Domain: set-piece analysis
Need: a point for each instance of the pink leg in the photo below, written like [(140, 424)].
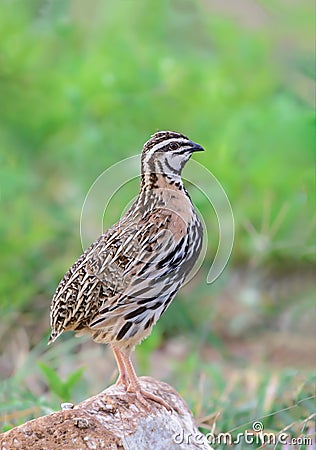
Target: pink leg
[(123, 377), (134, 385)]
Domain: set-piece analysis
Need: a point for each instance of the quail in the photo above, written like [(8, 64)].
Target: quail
[(121, 285)]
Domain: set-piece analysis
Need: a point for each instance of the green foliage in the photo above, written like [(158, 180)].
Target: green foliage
[(63, 389), (83, 85), (232, 403), (77, 98), (147, 349)]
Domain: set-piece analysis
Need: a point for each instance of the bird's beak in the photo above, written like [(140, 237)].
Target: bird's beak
[(196, 147)]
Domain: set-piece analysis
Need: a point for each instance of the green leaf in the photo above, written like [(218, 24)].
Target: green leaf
[(74, 378), (54, 382)]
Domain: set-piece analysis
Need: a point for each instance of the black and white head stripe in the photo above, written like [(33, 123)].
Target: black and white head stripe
[(164, 138), (167, 152)]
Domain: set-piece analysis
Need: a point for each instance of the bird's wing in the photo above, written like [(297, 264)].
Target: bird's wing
[(145, 262), (117, 268), (97, 275)]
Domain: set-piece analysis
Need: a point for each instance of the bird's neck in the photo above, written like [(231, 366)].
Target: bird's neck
[(154, 180), (159, 174)]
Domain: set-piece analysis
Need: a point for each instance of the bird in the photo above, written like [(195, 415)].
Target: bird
[(121, 285)]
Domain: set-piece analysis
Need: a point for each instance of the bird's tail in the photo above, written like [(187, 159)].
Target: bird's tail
[(54, 335)]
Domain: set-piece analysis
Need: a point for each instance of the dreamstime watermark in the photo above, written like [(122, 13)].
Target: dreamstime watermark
[(255, 436), (102, 192)]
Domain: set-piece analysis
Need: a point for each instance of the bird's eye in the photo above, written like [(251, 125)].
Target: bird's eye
[(174, 145)]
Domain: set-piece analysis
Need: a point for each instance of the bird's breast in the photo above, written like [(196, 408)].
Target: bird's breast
[(173, 210)]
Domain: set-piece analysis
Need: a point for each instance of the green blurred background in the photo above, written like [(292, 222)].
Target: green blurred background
[(83, 85)]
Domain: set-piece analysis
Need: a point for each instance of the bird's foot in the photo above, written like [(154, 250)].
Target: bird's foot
[(143, 397)]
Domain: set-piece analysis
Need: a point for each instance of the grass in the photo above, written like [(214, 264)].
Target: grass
[(82, 88)]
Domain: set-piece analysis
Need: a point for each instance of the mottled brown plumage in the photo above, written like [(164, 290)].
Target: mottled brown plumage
[(125, 280)]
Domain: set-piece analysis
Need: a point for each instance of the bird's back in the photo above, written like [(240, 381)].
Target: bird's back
[(132, 272)]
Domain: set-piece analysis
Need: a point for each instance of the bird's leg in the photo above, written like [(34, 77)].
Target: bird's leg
[(135, 387), (123, 377)]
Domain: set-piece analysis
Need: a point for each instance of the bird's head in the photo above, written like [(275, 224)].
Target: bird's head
[(166, 153)]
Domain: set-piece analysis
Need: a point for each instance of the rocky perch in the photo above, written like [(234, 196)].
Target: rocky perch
[(113, 420)]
